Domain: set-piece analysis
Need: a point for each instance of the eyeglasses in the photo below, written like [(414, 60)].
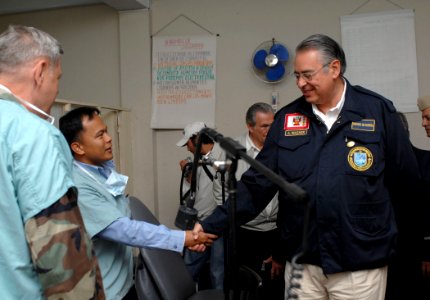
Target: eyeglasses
[(309, 76)]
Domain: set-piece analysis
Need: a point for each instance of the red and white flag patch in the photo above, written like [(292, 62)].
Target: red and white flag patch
[(296, 124)]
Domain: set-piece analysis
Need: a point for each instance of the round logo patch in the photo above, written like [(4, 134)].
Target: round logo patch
[(360, 158)]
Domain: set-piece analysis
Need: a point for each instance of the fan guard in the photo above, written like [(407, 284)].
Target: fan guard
[(269, 61)]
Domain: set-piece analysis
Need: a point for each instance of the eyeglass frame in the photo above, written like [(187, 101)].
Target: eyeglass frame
[(309, 76)]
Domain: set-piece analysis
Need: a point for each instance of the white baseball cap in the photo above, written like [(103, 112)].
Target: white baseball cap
[(190, 130), (423, 102)]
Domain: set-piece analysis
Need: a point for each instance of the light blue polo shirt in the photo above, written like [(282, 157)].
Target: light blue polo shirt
[(35, 171), (99, 209)]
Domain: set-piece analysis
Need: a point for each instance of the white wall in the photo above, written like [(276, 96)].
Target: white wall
[(107, 61)]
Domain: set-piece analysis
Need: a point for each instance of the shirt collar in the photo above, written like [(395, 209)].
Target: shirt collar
[(103, 170), (5, 88), (334, 110), (250, 146)]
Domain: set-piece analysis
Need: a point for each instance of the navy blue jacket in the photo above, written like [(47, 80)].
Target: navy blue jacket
[(347, 173)]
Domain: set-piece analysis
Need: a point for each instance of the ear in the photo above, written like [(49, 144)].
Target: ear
[(335, 66), (250, 128), (40, 69), (77, 149)]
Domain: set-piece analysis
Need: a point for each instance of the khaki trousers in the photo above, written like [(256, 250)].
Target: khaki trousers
[(357, 285)]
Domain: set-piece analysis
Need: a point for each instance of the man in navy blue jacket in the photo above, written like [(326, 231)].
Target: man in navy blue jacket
[(339, 143)]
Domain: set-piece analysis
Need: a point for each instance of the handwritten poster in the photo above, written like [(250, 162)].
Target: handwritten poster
[(183, 80)]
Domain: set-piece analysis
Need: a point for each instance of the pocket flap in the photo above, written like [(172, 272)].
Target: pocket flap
[(293, 142)]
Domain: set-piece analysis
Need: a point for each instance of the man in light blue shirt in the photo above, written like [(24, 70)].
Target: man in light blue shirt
[(105, 207), (44, 249)]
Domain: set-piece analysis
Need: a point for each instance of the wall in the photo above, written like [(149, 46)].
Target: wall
[(89, 37), (107, 61)]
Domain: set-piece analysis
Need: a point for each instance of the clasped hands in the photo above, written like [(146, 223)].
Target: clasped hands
[(197, 240)]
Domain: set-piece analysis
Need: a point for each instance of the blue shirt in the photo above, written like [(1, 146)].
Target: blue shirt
[(35, 168), (107, 220)]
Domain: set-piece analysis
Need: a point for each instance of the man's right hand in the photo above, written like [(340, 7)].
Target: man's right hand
[(182, 163), (198, 242), (198, 229)]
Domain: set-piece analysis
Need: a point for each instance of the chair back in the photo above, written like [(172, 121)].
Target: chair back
[(167, 268), (162, 274)]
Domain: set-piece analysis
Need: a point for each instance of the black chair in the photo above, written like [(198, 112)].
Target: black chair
[(162, 274)]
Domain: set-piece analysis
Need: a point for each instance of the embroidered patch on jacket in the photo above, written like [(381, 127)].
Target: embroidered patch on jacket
[(360, 158), (364, 125), (296, 124)]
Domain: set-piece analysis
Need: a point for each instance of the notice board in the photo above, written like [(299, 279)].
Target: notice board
[(381, 56), (183, 80)]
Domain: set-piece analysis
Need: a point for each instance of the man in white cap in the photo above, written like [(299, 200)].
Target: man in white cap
[(208, 197), (424, 106)]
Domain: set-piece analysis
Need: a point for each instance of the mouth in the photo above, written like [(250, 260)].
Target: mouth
[(306, 90), (307, 93)]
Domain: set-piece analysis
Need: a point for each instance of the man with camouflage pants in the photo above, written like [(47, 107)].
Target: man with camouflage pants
[(44, 250)]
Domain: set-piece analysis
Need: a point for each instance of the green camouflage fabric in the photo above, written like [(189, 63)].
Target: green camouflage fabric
[(62, 252)]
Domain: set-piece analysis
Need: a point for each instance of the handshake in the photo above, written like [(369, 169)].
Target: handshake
[(197, 240)]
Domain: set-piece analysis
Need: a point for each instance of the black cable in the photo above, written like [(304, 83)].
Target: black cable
[(297, 269), (296, 275)]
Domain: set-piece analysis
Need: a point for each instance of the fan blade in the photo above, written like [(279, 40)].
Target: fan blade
[(280, 51), (259, 58), (275, 73)]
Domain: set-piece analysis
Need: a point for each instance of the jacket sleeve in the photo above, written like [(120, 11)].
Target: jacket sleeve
[(254, 192), (401, 162)]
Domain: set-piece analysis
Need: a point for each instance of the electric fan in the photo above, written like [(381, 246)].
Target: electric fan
[(269, 61)]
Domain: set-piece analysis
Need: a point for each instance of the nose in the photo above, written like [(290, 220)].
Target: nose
[(300, 82), (108, 138)]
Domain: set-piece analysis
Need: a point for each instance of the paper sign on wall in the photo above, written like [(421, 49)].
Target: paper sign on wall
[(381, 55), (183, 80)]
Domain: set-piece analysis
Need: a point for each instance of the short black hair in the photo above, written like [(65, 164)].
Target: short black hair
[(71, 123), (204, 137)]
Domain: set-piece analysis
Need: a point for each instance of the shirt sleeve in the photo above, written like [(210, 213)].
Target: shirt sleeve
[(141, 234)]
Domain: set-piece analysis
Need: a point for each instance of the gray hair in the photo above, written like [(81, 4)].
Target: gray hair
[(257, 107), (329, 49), (21, 44)]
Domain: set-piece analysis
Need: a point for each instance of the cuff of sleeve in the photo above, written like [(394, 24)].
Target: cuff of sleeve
[(177, 240)]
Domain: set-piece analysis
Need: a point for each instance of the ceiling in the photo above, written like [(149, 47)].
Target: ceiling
[(23, 6)]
